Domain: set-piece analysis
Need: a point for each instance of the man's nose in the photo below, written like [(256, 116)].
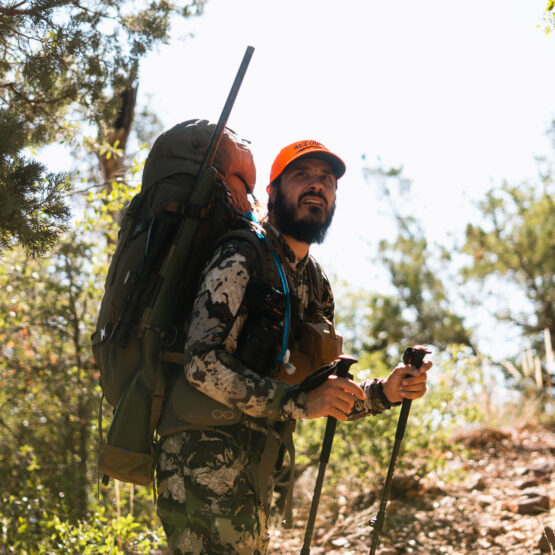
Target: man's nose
[(316, 182)]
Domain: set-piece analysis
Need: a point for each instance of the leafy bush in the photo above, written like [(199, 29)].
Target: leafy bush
[(99, 534)]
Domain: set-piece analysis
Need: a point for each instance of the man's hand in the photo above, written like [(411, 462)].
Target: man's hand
[(406, 382), (335, 397)]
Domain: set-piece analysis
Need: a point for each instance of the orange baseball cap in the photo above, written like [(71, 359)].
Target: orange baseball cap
[(305, 149)]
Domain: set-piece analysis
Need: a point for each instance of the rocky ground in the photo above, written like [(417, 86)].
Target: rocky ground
[(496, 500)]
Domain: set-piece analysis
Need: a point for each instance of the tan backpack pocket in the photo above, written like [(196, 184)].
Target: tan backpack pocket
[(318, 345), (320, 342)]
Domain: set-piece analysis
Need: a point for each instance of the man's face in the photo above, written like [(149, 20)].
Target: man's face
[(304, 203)]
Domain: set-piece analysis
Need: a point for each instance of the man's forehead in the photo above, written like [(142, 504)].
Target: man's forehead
[(310, 163)]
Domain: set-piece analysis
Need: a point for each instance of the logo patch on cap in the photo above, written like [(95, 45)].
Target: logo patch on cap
[(303, 145)]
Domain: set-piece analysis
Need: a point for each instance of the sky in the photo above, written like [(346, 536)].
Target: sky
[(460, 94)]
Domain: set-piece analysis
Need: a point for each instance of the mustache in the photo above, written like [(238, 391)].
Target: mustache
[(314, 194)]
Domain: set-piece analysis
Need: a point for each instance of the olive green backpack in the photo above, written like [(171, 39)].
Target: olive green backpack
[(148, 228)]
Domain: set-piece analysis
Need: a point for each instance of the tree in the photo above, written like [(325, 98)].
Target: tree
[(549, 16), (420, 311), (48, 382), (63, 63), (32, 204), (515, 246)]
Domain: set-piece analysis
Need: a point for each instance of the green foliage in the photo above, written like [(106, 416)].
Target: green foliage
[(99, 534), (49, 393), (63, 64), (549, 17), (515, 245), (49, 387), (33, 211), (63, 54)]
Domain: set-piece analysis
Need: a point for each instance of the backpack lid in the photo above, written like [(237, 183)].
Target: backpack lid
[(181, 149)]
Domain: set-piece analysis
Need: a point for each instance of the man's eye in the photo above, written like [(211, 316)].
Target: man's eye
[(328, 181)]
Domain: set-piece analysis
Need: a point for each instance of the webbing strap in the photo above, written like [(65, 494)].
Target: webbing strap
[(287, 440), (156, 407), (101, 446), (278, 435), (173, 357)]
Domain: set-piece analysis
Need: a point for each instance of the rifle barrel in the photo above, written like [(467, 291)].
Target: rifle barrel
[(228, 106)]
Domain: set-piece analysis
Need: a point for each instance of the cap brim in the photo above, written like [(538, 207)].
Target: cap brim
[(334, 161)]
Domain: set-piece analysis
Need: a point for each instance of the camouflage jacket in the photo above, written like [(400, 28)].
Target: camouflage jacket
[(215, 324)]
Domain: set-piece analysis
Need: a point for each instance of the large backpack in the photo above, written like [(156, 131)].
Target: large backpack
[(148, 228)]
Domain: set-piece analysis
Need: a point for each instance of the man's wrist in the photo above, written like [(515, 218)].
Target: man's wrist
[(294, 402), (383, 397)]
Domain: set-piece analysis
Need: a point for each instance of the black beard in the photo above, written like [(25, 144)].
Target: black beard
[(306, 231)]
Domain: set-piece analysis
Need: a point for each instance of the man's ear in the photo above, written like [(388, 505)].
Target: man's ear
[(272, 191)]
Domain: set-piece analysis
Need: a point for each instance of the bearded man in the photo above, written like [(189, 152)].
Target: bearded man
[(262, 324)]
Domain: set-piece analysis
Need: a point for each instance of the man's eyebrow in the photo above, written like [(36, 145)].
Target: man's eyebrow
[(300, 165)]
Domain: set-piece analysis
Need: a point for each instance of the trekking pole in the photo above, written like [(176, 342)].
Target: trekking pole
[(415, 356), (342, 371)]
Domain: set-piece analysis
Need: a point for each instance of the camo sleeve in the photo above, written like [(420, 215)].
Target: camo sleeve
[(327, 299), (215, 324), (374, 403)]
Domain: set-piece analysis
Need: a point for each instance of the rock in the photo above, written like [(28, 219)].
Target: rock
[(485, 500), (404, 487), (364, 499), (525, 484), (479, 485), (547, 541), (521, 471), (533, 504), (495, 530), (434, 491), (542, 469)]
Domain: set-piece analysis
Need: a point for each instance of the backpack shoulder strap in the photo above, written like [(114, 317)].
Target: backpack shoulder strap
[(315, 281), (270, 270), (266, 269)]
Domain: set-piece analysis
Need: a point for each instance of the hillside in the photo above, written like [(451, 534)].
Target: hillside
[(496, 499)]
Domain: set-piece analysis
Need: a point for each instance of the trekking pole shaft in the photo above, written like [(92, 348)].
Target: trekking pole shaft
[(401, 425), (324, 459), (414, 356), (342, 371)]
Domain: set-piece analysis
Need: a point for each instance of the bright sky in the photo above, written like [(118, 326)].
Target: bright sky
[(460, 93)]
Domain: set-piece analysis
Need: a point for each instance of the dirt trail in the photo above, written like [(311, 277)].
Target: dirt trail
[(504, 503)]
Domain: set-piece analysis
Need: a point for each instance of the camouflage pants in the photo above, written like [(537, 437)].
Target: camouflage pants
[(209, 498)]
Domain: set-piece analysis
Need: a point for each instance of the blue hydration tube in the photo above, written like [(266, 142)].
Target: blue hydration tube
[(283, 355)]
